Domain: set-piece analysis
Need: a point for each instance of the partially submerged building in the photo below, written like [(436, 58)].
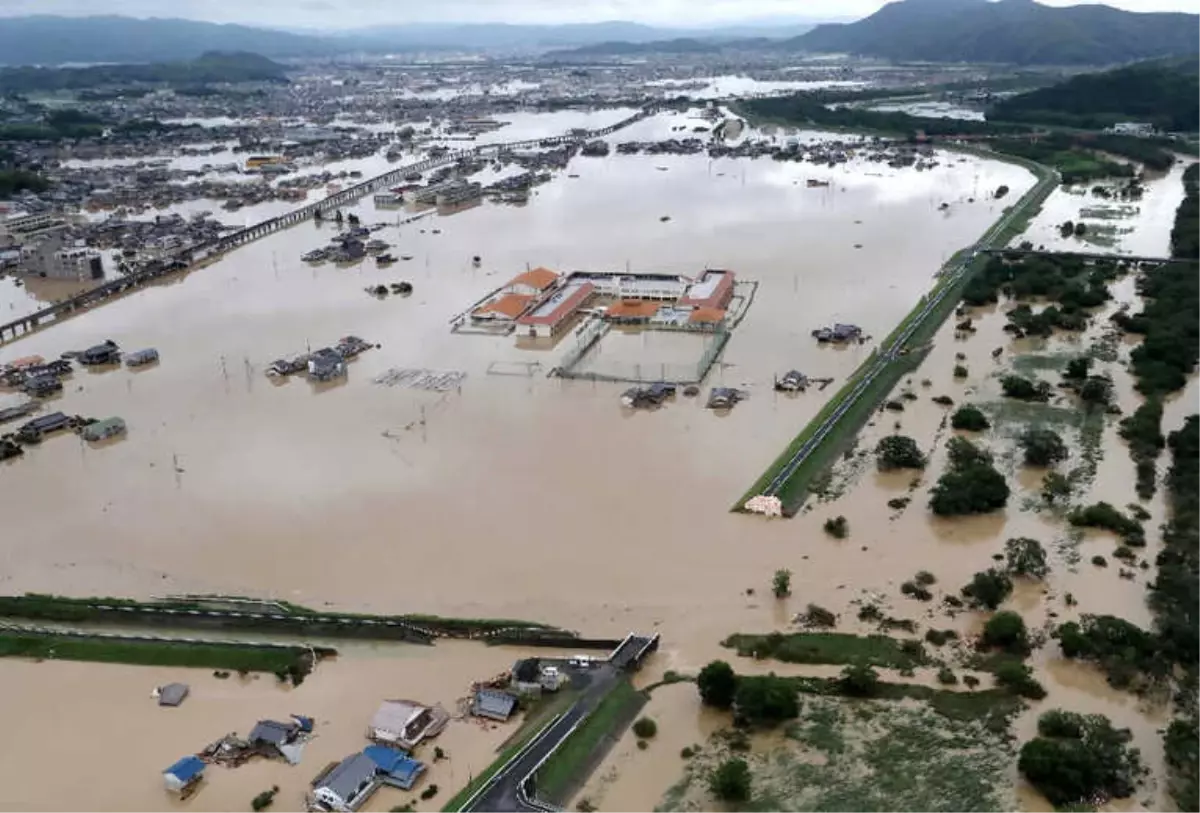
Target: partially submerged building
[(493, 704), (553, 313), (172, 694), (273, 738), (349, 784), (102, 430), (406, 723), (713, 289), (184, 774)]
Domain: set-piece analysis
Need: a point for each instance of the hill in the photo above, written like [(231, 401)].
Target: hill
[(1164, 93), (47, 40), (211, 67), (1019, 32)]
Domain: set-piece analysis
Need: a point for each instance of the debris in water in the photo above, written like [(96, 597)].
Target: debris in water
[(421, 379)]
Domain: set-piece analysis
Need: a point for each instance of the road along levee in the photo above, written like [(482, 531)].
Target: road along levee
[(781, 489)]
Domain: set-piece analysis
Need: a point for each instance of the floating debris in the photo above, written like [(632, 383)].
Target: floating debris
[(421, 379)]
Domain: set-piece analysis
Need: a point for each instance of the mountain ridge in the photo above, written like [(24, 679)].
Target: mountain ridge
[(1008, 31)]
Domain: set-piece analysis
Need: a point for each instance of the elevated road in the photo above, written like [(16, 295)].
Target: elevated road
[(888, 354), (509, 789), (191, 257)]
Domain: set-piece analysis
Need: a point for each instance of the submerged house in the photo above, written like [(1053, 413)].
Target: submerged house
[(273, 738), (493, 704), (184, 774), (107, 353), (838, 333), (406, 723), (394, 767), (326, 364), (347, 786), (102, 430), (792, 381)]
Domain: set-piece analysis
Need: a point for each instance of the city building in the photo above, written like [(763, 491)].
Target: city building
[(1133, 128)]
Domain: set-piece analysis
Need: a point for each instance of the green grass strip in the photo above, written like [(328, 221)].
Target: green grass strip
[(148, 653), (836, 648), (565, 766)]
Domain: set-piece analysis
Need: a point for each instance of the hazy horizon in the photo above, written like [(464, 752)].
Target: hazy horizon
[(328, 15)]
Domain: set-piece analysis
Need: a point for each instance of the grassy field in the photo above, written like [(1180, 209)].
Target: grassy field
[(568, 766), (40, 607), (830, 647), (148, 653), (864, 755)]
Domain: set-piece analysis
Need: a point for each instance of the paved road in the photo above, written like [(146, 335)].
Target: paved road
[(893, 350), (503, 792)]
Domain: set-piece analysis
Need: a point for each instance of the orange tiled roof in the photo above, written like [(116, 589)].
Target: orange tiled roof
[(709, 315), (510, 305), (632, 309), (539, 278)]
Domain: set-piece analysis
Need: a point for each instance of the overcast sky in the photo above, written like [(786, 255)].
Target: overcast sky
[(354, 13)]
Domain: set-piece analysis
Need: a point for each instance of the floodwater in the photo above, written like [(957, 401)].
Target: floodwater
[(518, 495), (227, 482), (933, 110), (722, 87), (1141, 228), (120, 740)]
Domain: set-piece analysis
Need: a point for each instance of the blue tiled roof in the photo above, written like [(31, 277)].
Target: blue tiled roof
[(392, 761), (186, 768)]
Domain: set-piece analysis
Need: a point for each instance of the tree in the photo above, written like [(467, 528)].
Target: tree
[(645, 728), (730, 782), (782, 583), (1006, 630), (1018, 679), (717, 683), (1080, 758), (963, 453), (859, 680), (988, 589), (265, 799), (765, 700), (969, 418), (1055, 486), (1023, 389), (898, 452), (973, 489), (838, 527), (1043, 447), (1078, 368), (1096, 391), (1025, 557)]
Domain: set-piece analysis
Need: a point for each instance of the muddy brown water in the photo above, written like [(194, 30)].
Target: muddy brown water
[(522, 496)]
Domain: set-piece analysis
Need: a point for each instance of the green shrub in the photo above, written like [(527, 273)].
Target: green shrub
[(859, 680), (265, 799), (1025, 557), (898, 452), (645, 728), (730, 782), (1006, 630), (1024, 389), (1018, 679), (946, 676), (1080, 759), (781, 584), (969, 418), (988, 589), (765, 700), (838, 527), (1043, 447), (429, 792), (717, 683)]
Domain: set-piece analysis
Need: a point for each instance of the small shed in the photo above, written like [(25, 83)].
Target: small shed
[(172, 694), (493, 704), (184, 773), (139, 358), (101, 430)]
